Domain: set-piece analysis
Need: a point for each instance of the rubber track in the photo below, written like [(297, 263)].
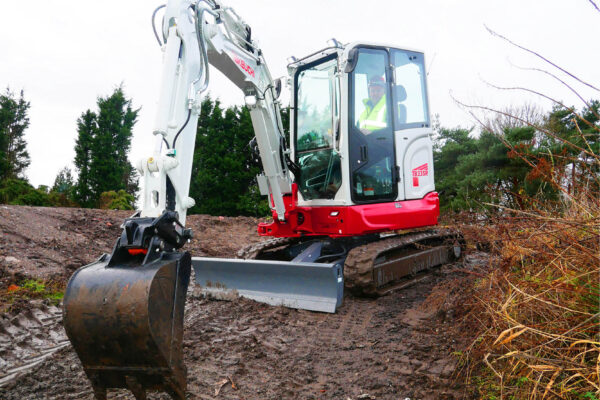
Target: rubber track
[(359, 265), (252, 251)]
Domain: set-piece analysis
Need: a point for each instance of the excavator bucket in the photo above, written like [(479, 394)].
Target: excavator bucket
[(125, 321)]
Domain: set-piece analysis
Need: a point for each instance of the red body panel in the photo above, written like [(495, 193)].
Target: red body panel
[(352, 220)]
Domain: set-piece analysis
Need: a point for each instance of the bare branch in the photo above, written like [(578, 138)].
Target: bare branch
[(562, 82), (541, 57), (546, 131), (529, 112), (570, 109)]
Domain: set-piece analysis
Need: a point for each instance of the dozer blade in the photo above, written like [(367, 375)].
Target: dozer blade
[(303, 285), (125, 322)]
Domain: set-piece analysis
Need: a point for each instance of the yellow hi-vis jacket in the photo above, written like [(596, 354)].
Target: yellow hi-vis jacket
[(373, 118)]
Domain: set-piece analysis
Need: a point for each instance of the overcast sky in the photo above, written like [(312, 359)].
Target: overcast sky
[(66, 53)]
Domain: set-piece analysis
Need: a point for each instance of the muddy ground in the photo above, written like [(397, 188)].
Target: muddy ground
[(404, 345)]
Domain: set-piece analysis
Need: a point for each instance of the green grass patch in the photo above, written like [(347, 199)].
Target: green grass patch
[(29, 289), (35, 286)]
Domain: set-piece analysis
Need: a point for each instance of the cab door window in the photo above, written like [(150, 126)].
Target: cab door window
[(371, 136)]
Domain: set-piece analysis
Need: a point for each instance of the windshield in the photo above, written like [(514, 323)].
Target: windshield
[(410, 91), (317, 92), (315, 107)]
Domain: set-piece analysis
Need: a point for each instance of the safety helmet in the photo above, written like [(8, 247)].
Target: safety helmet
[(377, 81)]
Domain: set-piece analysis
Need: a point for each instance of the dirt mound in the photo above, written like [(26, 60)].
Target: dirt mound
[(221, 236), (394, 347), (51, 243)]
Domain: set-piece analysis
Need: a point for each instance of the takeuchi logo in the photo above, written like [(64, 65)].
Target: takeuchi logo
[(421, 170), (244, 66)]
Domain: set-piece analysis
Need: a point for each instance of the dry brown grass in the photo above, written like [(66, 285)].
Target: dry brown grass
[(542, 332), (539, 311)]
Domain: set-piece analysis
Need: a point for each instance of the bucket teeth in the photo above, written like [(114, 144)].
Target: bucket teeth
[(99, 393), (136, 388)]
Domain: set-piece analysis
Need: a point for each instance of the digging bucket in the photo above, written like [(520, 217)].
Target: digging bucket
[(125, 322), (303, 285)]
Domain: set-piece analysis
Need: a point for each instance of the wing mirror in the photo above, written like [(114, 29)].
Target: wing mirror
[(277, 88), (352, 60)]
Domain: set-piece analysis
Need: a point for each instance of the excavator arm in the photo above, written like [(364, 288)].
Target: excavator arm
[(196, 34)]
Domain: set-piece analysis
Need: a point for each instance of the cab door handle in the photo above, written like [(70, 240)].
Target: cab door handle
[(364, 154)]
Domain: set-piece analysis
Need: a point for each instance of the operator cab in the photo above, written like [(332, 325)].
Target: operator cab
[(360, 126)]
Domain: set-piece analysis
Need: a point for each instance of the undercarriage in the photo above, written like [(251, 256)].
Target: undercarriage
[(373, 264)]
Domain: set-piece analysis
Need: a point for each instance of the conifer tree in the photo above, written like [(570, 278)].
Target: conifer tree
[(86, 132), (14, 158), (493, 168), (223, 174), (63, 183), (450, 146), (576, 131), (109, 166), (103, 143)]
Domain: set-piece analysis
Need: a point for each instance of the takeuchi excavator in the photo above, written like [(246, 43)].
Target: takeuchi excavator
[(352, 197)]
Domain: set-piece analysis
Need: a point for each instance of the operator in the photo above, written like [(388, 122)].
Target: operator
[(374, 116)]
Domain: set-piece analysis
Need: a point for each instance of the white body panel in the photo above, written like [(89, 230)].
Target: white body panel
[(414, 155)]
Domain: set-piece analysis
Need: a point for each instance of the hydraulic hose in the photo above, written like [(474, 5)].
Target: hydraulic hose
[(160, 42), (182, 127), (200, 36)]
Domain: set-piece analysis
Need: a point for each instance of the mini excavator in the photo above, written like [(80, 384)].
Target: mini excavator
[(352, 197)]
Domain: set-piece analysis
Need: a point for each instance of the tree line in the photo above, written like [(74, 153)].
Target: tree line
[(223, 179), (514, 162), (508, 163), (105, 178)]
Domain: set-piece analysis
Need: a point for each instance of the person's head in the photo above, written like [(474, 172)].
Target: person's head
[(376, 89)]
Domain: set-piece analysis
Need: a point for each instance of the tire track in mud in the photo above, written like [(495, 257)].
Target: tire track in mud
[(28, 338), (344, 335), (370, 347)]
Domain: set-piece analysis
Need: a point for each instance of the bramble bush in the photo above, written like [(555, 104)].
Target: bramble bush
[(120, 200)]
